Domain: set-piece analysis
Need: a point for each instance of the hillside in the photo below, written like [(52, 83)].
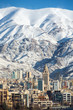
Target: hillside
[(31, 38)]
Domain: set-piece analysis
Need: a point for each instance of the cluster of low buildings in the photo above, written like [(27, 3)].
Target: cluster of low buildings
[(32, 91)]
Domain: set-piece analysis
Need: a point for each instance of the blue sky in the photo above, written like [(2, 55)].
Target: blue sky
[(37, 4)]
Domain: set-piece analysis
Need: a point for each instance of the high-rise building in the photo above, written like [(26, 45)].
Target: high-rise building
[(46, 77), (3, 96), (35, 82), (56, 85), (57, 96), (60, 81), (40, 84), (28, 75), (29, 85), (66, 84), (26, 98), (14, 75), (67, 97), (17, 74), (71, 83), (21, 72), (17, 99)]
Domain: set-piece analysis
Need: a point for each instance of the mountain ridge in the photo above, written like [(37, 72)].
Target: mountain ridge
[(29, 37)]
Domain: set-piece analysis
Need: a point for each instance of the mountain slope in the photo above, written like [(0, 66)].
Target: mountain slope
[(30, 37)]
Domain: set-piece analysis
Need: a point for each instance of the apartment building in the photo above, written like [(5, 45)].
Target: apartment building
[(67, 97)]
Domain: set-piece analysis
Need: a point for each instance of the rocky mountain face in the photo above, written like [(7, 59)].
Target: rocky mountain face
[(29, 39), (61, 63)]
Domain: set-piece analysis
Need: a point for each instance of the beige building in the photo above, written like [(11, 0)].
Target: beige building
[(46, 78), (3, 96), (42, 101), (67, 97)]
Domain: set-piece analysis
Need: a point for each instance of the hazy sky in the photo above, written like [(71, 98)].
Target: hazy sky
[(36, 4)]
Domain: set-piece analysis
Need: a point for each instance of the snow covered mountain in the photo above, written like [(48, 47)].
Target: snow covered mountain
[(31, 38)]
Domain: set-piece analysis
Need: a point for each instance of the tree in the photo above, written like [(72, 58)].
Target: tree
[(5, 107)]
